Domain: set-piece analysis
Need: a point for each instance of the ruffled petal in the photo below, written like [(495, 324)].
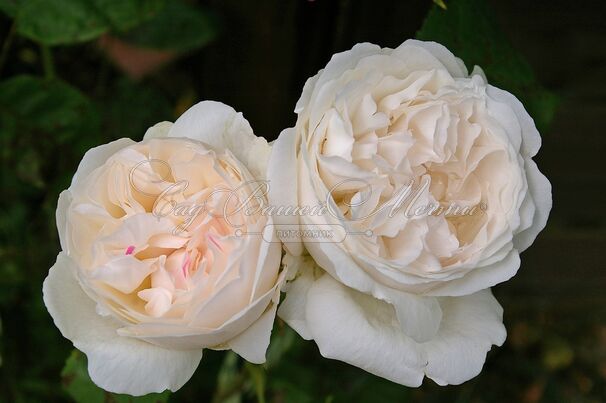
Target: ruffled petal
[(471, 325), (158, 130), (360, 330), (282, 176), (94, 158), (221, 127), (115, 363), (364, 331), (253, 342)]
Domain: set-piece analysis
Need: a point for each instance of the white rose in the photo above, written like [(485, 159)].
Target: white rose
[(370, 124), (144, 281)]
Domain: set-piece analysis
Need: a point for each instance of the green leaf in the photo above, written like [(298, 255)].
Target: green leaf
[(76, 381), (179, 27), (230, 381), (258, 378), (60, 22), (81, 388), (51, 106), (10, 7), (282, 339), (469, 29), (126, 14), (440, 3)]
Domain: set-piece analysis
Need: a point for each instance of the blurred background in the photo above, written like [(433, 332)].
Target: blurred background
[(78, 73)]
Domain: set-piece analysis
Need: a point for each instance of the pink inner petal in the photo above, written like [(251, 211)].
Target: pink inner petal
[(214, 241), (185, 265)]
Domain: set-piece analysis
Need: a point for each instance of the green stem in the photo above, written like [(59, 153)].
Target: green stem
[(235, 386), (47, 62), (6, 46)]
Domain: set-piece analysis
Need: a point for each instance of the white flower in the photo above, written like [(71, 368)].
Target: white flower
[(151, 270), (395, 141)]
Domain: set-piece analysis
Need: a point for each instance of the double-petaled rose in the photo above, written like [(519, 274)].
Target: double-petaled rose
[(423, 171), (156, 265), (429, 171)]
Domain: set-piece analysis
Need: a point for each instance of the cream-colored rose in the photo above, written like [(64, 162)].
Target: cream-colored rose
[(157, 261), (429, 170)]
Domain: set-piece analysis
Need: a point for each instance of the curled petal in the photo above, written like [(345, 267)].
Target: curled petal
[(221, 127), (365, 332), (115, 363)]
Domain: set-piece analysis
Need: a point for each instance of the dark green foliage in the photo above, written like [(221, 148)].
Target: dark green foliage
[(178, 27), (61, 22), (170, 25), (469, 29)]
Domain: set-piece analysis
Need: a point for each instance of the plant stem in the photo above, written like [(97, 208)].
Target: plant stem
[(235, 386), (47, 62), (6, 46)]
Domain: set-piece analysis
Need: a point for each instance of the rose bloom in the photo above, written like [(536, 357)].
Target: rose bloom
[(406, 292), (156, 265)]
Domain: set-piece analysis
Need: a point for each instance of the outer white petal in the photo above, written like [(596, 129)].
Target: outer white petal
[(292, 308), (308, 88), (362, 331), (282, 176), (419, 316), (65, 199), (341, 62), (478, 71), (115, 363), (480, 278), (471, 325), (539, 189), (158, 130), (531, 139), (221, 127), (95, 157), (538, 185), (340, 265), (253, 342), (453, 64), (329, 255)]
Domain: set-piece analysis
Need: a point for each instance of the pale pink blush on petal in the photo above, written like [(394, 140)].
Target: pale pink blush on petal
[(214, 241), (185, 266)]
